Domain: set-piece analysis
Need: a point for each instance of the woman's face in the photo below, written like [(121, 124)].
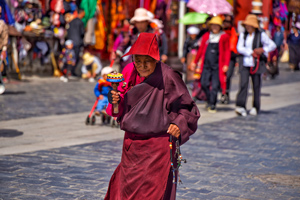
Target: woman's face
[(141, 26), (215, 28), (145, 65), (249, 29)]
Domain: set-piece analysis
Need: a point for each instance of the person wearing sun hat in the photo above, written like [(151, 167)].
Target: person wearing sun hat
[(141, 21), (214, 52), (91, 67), (154, 105), (191, 42), (254, 46), (231, 31)]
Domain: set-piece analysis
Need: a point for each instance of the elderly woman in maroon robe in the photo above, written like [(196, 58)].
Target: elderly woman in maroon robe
[(154, 104)]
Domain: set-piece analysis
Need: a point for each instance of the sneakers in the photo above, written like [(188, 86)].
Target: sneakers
[(225, 99), (91, 80), (241, 111), (253, 111), (212, 109), (64, 79)]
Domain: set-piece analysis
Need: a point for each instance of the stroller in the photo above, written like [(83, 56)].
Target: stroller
[(105, 118)]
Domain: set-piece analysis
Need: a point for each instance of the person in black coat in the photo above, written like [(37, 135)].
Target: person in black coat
[(75, 32)]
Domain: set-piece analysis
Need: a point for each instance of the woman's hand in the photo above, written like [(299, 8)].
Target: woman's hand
[(174, 130), (164, 58), (182, 60), (259, 51), (115, 97), (193, 66), (225, 68)]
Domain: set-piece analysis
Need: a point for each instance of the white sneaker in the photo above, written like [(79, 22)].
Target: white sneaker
[(241, 111), (253, 111), (91, 80), (65, 79), (62, 78)]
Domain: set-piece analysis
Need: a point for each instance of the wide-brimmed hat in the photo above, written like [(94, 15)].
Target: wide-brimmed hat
[(193, 30), (146, 44), (216, 20), (251, 20), (140, 14), (87, 58)]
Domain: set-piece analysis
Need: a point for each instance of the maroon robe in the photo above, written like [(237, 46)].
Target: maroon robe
[(146, 111)]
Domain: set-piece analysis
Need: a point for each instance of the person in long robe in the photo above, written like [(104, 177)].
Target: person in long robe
[(154, 104)]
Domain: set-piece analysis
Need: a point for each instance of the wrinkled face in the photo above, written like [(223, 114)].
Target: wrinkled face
[(249, 29), (141, 26), (215, 28), (145, 65)]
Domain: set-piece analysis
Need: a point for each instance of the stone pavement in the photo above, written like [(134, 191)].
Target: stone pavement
[(53, 131), (228, 157), (239, 158)]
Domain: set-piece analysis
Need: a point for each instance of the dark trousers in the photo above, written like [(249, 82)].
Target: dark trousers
[(229, 74), (67, 69), (243, 91), (77, 52), (210, 77)]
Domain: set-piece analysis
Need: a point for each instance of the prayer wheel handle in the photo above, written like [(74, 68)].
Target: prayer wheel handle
[(115, 78)]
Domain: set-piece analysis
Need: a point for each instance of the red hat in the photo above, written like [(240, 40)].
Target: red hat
[(146, 44)]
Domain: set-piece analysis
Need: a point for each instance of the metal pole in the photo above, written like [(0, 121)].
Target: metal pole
[(181, 29)]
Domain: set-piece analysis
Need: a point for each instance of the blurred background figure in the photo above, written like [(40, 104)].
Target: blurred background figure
[(91, 67), (191, 42), (294, 47), (75, 32), (214, 53), (230, 30), (68, 60), (254, 45)]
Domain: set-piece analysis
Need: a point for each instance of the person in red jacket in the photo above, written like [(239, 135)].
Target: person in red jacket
[(214, 56), (230, 30)]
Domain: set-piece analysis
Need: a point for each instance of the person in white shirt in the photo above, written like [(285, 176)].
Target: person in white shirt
[(254, 45)]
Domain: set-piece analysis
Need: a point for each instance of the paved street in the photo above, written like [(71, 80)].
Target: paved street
[(46, 151)]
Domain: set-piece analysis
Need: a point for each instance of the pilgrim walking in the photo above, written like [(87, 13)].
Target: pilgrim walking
[(156, 112)]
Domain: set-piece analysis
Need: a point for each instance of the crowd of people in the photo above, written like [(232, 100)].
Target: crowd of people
[(211, 52)]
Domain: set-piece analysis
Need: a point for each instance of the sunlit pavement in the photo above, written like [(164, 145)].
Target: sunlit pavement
[(229, 157)]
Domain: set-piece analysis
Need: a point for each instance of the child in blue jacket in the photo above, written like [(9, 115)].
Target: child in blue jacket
[(101, 90)]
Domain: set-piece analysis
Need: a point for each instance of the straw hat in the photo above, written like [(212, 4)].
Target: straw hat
[(251, 20), (140, 14), (87, 58), (216, 20)]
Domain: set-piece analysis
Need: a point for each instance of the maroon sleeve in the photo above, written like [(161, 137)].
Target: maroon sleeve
[(181, 108)]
